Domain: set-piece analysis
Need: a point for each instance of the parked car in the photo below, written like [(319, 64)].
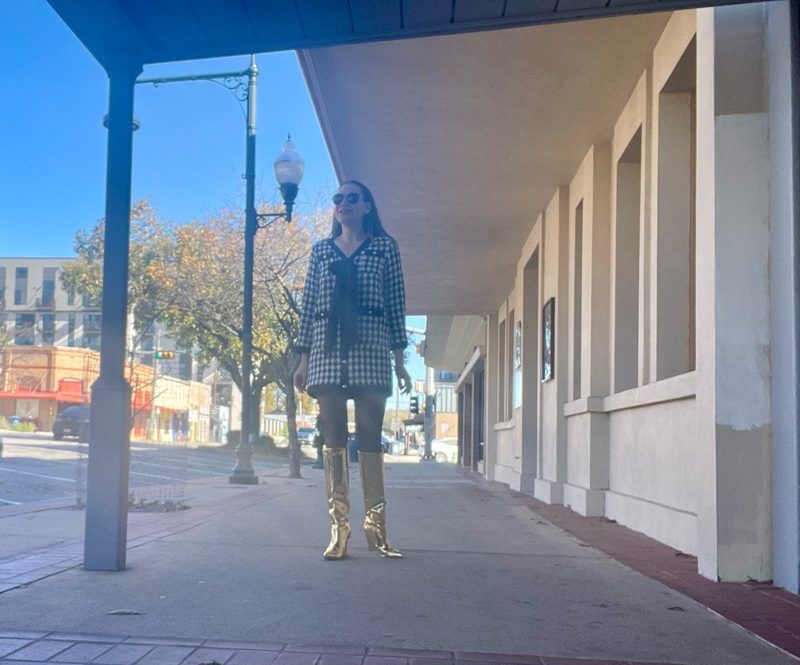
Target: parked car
[(72, 421), (306, 435), (352, 445), (445, 450)]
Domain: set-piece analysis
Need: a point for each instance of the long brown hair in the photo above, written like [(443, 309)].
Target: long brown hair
[(372, 221)]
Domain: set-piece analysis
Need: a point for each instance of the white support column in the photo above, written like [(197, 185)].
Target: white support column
[(782, 58), (733, 315)]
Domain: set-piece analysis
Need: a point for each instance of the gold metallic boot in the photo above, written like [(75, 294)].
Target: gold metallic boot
[(337, 486), (372, 481)]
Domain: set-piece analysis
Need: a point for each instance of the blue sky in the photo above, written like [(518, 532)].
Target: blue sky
[(188, 154)]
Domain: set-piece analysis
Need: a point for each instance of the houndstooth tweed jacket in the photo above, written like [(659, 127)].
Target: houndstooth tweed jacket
[(381, 317)]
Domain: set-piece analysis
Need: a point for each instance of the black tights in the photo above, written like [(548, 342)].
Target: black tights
[(369, 420)]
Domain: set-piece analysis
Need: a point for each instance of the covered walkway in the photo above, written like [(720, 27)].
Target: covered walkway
[(597, 220)]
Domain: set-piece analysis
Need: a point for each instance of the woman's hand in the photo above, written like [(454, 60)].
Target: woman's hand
[(403, 379), (301, 375)]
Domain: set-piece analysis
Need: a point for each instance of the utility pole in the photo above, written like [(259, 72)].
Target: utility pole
[(430, 394)]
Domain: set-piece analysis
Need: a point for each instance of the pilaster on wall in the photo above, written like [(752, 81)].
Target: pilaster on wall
[(468, 457), (554, 261), (597, 239), (490, 397), (587, 447), (529, 306), (733, 318)]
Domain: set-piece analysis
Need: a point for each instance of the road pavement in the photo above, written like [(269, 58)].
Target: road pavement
[(34, 467)]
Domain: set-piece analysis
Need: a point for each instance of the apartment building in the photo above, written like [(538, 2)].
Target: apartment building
[(49, 354), (36, 311)]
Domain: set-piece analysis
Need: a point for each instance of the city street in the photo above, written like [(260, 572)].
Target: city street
[(34, 467)]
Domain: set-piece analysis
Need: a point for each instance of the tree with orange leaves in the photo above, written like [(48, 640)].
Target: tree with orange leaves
[(189, 276)]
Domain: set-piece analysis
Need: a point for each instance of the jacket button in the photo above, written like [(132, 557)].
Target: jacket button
[(344, 385)]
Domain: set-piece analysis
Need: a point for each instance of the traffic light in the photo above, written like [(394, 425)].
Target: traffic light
[(165, 355), (413, 405)]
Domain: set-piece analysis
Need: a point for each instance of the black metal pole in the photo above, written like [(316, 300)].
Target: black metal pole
[(243, 472), (105, 542), (430, 392)]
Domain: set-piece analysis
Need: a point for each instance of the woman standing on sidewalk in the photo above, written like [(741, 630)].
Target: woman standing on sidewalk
[(353, 320)]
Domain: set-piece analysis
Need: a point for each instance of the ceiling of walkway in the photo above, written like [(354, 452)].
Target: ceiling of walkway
[(465, 138)]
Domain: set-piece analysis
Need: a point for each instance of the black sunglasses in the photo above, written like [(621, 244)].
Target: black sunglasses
[(352, 198)]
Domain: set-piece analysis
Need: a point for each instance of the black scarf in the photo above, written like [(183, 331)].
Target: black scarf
[(344, 307)]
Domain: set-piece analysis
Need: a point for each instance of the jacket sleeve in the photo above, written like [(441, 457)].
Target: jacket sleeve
[(395, 299), (308, 306)]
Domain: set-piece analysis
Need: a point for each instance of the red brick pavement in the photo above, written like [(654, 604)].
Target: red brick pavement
[(770, 612), (18, 647)]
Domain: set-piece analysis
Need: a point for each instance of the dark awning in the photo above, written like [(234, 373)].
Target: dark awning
[(154, 31)]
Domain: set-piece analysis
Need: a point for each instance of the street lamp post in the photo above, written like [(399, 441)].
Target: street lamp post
[(288, 172), (430, 406), (289, 169)]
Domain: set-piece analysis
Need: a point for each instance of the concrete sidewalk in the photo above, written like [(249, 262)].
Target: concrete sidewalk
[(483, 575)]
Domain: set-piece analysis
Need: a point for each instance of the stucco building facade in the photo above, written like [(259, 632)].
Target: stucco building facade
[(632, 370), (597, 219)]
